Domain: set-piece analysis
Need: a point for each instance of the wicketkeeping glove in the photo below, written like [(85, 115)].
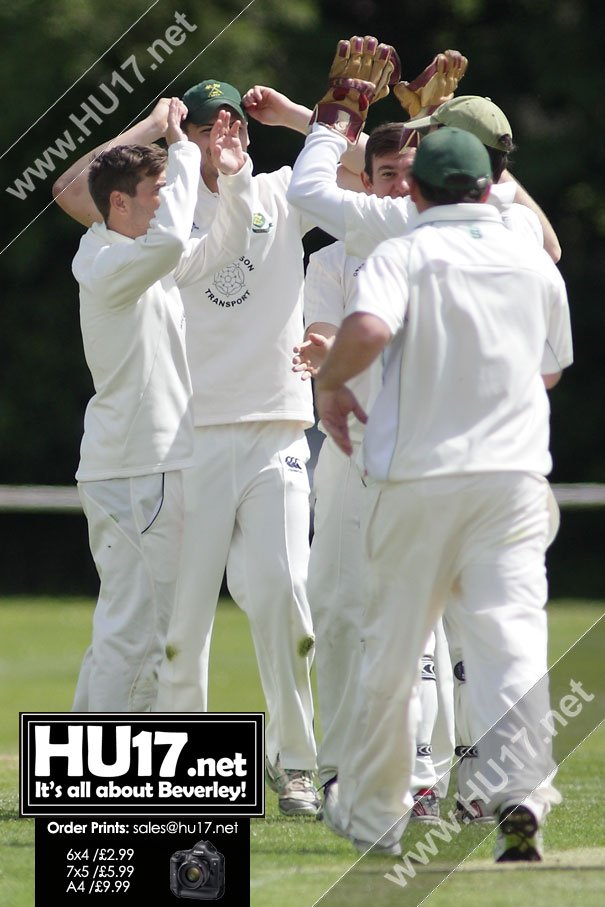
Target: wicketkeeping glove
[(362, 71), (435, 84)]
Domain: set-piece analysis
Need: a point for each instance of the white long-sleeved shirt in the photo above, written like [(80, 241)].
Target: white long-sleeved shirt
[(244, 318), (362, 220), (140, 419), (330, 291)]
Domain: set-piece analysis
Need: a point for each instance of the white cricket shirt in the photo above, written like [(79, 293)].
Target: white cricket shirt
[(472, 309), (140, 419), (244, 319), (330, 288), (365, 220)]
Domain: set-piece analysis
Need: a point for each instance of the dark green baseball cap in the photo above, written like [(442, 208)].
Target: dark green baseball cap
[(452, 159), (205, 98)]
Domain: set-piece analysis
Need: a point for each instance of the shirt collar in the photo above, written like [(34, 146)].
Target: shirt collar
[(502, 194), (464, 211), (107, 235)]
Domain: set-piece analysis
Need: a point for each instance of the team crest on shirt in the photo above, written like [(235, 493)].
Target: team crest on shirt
[(261, 223)]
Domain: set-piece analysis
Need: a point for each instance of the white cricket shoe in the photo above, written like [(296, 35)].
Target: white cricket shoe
[(474, 812), (297, 795), (426, 808)]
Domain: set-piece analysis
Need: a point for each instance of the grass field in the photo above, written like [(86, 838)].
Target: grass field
[(295, 861)]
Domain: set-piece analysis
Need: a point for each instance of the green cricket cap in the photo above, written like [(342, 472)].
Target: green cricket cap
[(204, 99), (475, 114), (452, 159)]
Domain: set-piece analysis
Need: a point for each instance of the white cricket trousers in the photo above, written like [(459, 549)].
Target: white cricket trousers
[(337, 595), (467, 730), (135, 528), (247, 509), (488, 534)]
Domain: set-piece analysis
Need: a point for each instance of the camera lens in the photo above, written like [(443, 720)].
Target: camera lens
[(193, 874)]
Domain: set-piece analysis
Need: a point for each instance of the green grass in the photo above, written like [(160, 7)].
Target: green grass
[(294, 861)]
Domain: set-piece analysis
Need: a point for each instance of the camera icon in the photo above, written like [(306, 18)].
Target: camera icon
[(199, 873)]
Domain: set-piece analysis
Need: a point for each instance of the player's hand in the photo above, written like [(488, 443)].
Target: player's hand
[(334, 408), (266, 105), (361, 72), (226, 149), (435, 84), (310, 355), (176, 114)]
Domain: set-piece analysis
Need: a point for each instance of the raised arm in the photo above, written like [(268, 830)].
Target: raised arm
[(229, 234), (313, 186), (272, 108), (522, 197), (123, 271), (70, 191)]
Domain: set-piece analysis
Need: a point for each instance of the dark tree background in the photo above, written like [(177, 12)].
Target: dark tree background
[(540, 61)]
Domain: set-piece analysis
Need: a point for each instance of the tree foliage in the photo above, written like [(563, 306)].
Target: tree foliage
[(538, 60)]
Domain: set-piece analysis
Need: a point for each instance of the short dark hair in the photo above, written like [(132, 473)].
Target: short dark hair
[(385, 139), (452, 195), (499, 160), (121, 169)]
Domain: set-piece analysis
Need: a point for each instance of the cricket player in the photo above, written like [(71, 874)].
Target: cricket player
[(138, 427), (335, 585), (247, 494), (363, 221), (455, 455)]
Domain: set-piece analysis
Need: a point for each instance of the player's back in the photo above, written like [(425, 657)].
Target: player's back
[(466, 370)]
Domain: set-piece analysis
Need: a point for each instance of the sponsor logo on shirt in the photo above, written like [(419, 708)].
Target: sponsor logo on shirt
[(294, 463), (230, 284)]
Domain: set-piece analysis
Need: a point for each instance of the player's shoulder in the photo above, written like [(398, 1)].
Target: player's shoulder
[(395, 247), (275, 181), (331, 255), (91, 243), (521, 250)]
